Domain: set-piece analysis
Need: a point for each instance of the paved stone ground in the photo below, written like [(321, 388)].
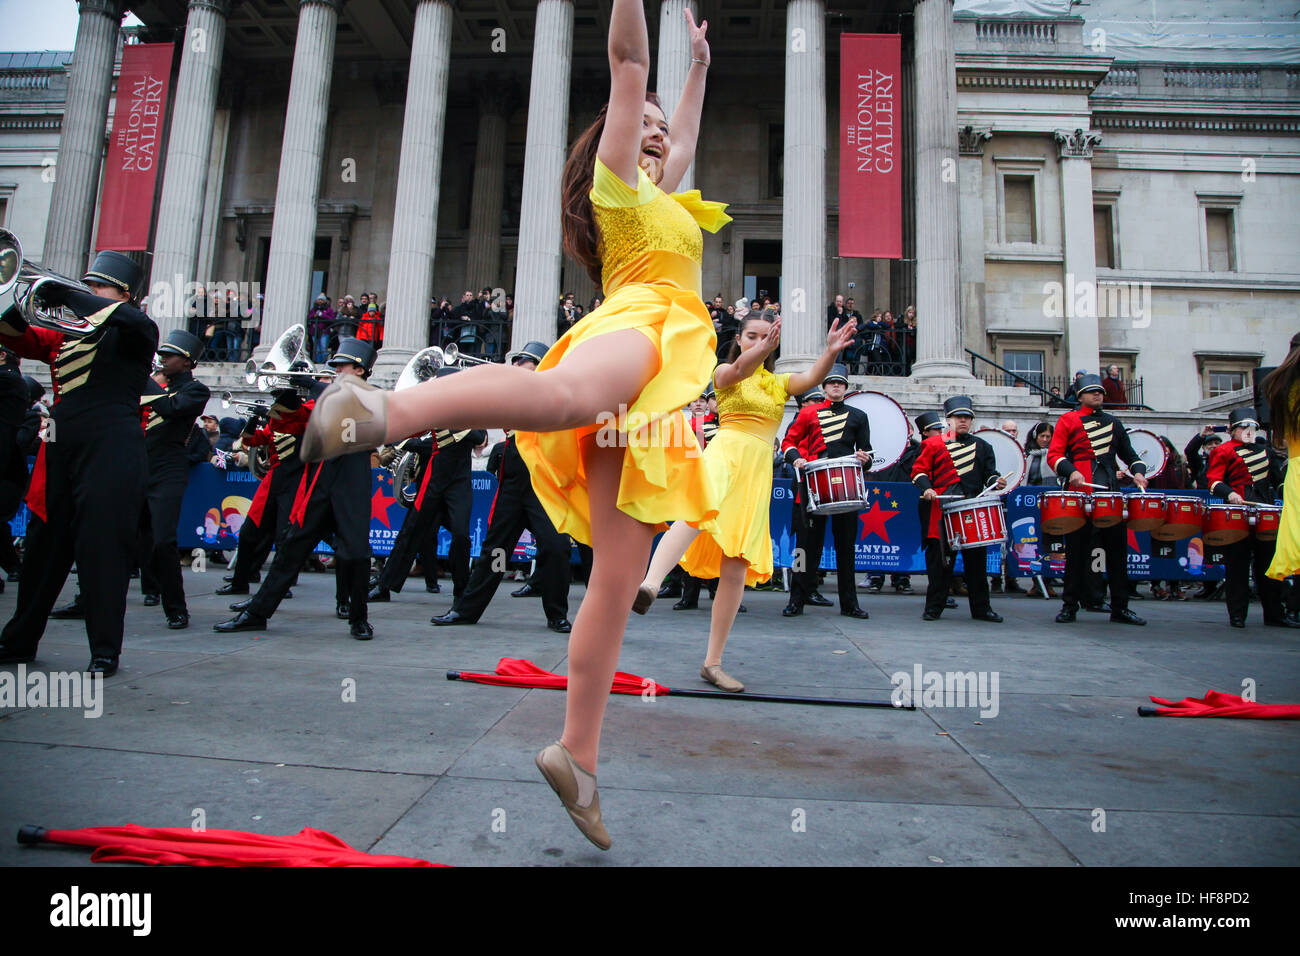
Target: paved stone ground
[(253, 730)]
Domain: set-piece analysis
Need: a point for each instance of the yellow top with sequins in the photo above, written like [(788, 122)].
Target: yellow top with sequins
[(647, 235), (754, 405)]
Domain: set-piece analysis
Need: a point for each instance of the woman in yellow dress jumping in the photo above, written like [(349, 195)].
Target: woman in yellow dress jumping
[(738, 549), (589, 420)]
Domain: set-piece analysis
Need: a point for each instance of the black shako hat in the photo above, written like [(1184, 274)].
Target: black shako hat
[(839, 373), (1089, 383), (116, 269), (535, 351), (1239, 417), (958, 405), (928, 420), (180, 342), (354, 352)]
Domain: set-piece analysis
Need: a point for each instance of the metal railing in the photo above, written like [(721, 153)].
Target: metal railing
[(1052, 389)]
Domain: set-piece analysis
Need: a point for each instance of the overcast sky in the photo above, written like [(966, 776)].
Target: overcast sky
[(40, 24)]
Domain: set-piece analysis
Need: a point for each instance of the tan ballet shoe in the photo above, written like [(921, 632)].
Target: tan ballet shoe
[(715, 675), (645, 596), (351, 415), (577, 791)]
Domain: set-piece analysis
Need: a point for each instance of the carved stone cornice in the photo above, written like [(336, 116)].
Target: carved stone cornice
[(109, 8), (1076, 144), (971, 140)]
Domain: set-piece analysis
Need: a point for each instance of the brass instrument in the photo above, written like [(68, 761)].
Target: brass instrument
[(261, 409), (14, 273), (405, 466), (278, 370), (451, 356)]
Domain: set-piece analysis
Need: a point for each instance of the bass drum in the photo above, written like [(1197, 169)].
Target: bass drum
[(891, 429), (1150, 449), (1010, 457)]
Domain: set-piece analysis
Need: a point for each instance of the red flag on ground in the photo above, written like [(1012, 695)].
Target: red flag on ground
[(1214, 704), (181, 846), (512, 672)]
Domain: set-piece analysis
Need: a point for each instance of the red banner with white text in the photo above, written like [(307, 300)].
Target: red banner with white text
[(871, 146), (134, 147)]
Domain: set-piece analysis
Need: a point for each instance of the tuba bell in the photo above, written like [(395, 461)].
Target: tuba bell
[(16, 274), (405, 466)]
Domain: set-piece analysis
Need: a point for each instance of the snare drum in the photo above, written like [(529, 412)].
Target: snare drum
[(1063, 511), (975, 523), (1226, 524), (1266, 519), (1146, 511), (1183, 517), (835, 485), (1106, 508)]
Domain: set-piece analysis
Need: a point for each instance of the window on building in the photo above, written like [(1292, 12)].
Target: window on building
[(1223, 381), (1219, 240), (1018, 200), (1104, 236), (1026, 364)]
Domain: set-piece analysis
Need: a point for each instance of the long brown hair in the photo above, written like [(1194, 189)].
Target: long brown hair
[(1283, 397), (733, 351), (578, 222)]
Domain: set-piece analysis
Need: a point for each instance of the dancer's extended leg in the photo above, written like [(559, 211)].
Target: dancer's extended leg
[(669, 551), (621, 546)]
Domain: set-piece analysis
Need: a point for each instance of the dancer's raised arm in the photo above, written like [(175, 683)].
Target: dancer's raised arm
[(837, 339), (629, 74), (686, 113)]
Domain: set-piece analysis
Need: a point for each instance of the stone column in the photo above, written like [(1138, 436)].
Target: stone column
[(537, 277), (189, 146), (484, 263), (81, 142), (293, 230), (1082, 339), (939, 345), (970, 182), (675, 63), (415, 220), (803, 235)]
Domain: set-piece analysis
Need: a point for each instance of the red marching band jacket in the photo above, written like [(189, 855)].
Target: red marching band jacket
[(804, 437), (291, 423), (41, 345), (1241, 468), (935, 469)]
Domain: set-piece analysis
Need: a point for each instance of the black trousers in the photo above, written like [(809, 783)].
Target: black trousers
[(938, 571), (255, 540), (1240, 559), (1080, 579), (160, 560), (511, 514), (810, 535), (340, 514), (94, 490), (448, 508)]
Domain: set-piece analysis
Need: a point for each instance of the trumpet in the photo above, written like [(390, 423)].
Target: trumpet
[(14, 273), (260, 409), (278, 371), (451, 356)]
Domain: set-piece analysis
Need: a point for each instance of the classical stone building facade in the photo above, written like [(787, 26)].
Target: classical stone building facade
[(1066, 204)]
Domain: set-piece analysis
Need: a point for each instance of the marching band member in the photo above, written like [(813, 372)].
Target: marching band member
[(333, 498), (88, 485), (268, 515), (446, 500), (1240, 471), (967, 464), (1082, 453), (829, 429), (515, 508), (172, 402)]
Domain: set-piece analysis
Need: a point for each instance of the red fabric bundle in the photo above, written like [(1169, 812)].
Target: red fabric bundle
[(512, 672), (1214, 704)]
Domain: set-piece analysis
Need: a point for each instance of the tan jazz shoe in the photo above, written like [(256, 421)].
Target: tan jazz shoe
[(351, 415), (645, 596), (715, 675), (577, 791)]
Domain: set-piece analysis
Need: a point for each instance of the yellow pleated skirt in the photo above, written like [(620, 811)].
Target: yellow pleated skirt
[(1286, 557), (664, 477), (741, 464)]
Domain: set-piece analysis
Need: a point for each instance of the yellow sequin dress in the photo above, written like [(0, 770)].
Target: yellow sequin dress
[(651, 248), (740, 459)]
